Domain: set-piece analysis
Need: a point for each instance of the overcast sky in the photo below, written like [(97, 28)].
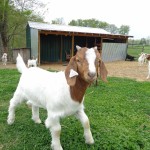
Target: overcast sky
[(134, 13)]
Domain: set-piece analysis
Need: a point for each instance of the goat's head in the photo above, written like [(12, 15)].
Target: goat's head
[(86, 64), (5, 55), (148, 57)]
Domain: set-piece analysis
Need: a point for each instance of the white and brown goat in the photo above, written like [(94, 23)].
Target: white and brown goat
[(61, 93)]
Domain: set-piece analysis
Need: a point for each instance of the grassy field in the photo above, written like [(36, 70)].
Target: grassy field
[(119, 113)]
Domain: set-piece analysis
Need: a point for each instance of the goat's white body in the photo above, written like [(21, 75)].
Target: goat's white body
[(148, 70), (41, 88), (142, 59), (4, 59), (48, 90), (32, 62)]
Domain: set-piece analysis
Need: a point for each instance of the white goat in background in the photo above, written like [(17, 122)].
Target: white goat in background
[(4, 58), (142, 59), (61, 93), (32, 62)]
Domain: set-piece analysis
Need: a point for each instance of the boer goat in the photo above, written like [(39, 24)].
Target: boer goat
[(4, 58), (61, 93)]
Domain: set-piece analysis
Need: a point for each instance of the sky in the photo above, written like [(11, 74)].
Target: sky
[(134, 13)]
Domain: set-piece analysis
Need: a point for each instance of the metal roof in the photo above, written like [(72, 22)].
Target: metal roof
[(66, 28)]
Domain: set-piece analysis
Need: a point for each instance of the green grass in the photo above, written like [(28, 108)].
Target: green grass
[(119, 113)]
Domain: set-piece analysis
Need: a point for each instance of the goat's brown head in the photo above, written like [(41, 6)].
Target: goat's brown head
[(148, 57), (86, 64)]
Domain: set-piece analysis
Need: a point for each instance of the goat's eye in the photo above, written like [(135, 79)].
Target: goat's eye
[(97, 61), (78, 60)]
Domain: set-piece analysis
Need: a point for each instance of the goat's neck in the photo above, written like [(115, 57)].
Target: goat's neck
[(78, 90)]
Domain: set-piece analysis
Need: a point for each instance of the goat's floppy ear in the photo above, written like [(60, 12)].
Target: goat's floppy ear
[(71, 72), (95, 47), (78, 47), (103, 71)]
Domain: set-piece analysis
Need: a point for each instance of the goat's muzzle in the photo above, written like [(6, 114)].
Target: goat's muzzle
[(91, 77)]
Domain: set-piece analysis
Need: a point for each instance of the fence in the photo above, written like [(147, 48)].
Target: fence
[(136, 49), (24, 52)]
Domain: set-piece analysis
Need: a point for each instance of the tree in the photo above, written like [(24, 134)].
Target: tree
[(89, 23), (143, 41), (58, 21), (13, 19), (112, 29), (4, 8), (124, 29), (103, 25)]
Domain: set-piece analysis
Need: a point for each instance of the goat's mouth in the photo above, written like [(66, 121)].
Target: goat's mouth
[(90, 79)]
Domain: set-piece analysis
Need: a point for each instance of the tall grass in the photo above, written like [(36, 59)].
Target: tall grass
[(119, 113)]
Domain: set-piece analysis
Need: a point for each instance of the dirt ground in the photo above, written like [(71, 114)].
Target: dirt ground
[(128, 69)]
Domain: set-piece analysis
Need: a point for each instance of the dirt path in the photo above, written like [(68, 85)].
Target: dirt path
[(129, 69)]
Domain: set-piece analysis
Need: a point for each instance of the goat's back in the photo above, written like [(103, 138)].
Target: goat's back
[(38, 81)]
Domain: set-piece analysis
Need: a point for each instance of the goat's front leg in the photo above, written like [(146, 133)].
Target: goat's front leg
[(35, 114), (86, 125), (14, 102), (55, 128)]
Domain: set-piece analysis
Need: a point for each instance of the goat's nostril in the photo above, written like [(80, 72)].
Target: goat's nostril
[(91, 74)]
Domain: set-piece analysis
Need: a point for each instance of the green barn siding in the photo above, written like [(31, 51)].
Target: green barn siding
[(52, 45), (50, 48), (28, 37)]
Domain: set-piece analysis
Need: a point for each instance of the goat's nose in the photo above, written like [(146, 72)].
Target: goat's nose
[(91, 74)]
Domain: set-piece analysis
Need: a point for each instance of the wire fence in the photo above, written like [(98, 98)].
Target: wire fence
[(136, 49)]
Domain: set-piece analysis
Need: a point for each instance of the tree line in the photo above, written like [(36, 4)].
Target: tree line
[(112, 28)]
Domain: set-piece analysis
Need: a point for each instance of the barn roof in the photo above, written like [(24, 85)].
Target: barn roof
[(67, 28), (72, 29)]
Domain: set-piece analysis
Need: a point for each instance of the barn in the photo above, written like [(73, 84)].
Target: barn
[(54, 43)]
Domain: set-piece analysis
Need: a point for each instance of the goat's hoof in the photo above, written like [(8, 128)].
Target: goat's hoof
[(38, 121), (10, 121), (56, 147), (89, 141)]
